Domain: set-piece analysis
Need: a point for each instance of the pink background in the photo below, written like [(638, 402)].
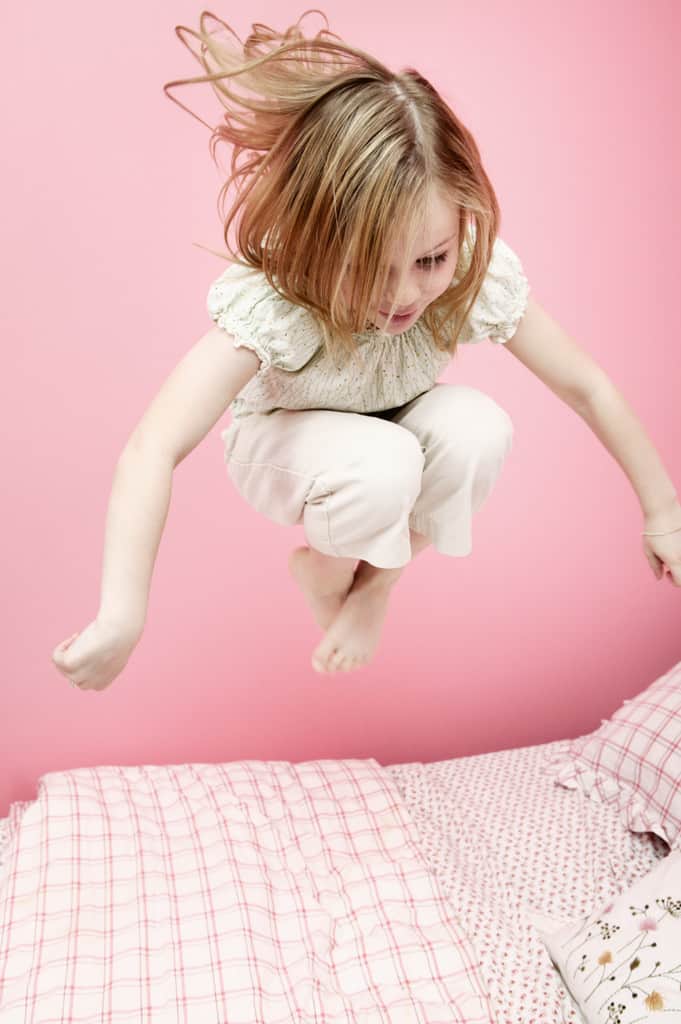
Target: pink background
[(552, 620)]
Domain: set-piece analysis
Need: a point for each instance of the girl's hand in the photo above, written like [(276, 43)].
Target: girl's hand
[(664, 555), (92, 659)]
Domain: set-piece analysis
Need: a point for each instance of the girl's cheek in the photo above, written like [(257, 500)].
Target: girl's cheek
[(444, 281)]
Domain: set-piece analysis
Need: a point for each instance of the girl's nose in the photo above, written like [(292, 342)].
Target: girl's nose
[(401, 308)]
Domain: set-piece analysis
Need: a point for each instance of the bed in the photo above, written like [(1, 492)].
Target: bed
[(407, 892)]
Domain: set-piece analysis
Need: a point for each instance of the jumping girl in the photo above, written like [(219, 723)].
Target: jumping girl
[(367, 250)]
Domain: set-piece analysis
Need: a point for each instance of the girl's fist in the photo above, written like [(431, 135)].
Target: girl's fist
[(92, 659)]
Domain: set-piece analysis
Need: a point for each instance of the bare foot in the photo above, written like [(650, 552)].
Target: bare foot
[(324, 592), (353, 636)]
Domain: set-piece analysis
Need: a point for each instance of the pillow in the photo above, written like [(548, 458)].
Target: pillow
[(633, 760), (622, 963)]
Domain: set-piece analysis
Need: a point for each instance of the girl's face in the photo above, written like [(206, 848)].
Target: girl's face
[(417, 278)]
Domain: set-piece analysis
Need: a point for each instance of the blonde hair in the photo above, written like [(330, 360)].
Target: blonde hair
[(333, 156)]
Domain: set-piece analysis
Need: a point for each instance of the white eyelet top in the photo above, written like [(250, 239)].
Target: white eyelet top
[(297, 373)]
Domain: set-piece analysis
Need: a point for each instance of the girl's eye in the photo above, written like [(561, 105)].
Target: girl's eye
[(429, 261)]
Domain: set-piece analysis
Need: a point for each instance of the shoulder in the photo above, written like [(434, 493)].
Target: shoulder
[(502, 299), (243, 302)]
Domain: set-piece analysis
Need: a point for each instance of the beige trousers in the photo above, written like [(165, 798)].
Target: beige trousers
[(358, 482)]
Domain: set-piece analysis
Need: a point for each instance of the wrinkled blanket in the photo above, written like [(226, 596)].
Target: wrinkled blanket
[(242, 892)]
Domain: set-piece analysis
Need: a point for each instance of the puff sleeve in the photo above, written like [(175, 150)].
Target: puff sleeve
[(502, 300), (282, 334)]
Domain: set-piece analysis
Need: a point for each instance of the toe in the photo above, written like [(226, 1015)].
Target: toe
[(318, 663), (322, 656), (335, 660)]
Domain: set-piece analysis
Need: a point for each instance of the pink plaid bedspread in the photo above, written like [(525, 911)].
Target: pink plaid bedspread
[(239, 893)]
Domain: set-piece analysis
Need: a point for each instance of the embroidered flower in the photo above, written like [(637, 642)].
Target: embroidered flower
[(654, 1001)]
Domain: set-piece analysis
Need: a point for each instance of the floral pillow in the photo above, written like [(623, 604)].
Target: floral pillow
[(622, 963), (633, 761)]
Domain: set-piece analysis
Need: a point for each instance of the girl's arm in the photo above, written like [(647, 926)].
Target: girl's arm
[(189, 403), (546, 349), (191, 400)]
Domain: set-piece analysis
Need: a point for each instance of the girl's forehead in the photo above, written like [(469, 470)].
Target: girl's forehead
[(437, 224)]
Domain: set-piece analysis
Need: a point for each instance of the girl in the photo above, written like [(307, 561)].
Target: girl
[(367, 249)]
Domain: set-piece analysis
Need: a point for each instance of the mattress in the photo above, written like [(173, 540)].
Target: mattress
[(508, 849)]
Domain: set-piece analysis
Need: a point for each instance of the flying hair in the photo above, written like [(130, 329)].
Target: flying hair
[(332, 158)]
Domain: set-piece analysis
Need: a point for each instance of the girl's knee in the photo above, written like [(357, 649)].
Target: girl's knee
[(368, 494), (389, 474), (380, 477), (396, 464), (476, 419)]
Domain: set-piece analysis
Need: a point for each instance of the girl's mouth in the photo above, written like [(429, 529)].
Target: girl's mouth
[(398, 320)]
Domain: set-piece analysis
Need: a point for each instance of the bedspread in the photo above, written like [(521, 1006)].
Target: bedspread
[(247, 891)]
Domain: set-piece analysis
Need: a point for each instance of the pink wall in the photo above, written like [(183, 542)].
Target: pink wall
[(552, 620)]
